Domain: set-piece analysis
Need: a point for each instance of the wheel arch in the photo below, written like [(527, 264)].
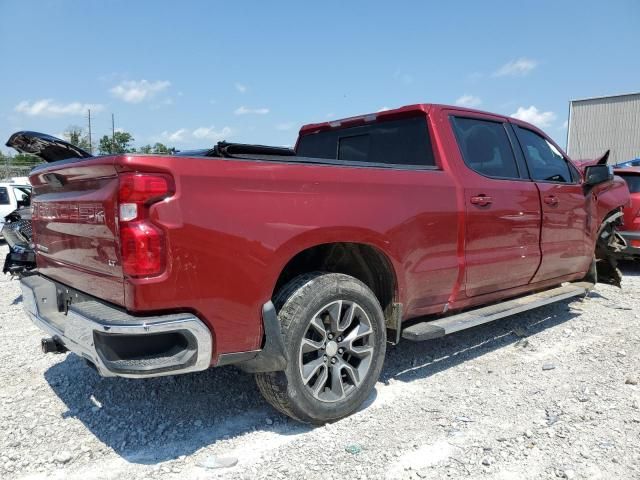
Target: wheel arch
[(364, 260)]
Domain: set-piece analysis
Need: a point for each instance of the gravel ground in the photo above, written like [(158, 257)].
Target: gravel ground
[(548, 394)]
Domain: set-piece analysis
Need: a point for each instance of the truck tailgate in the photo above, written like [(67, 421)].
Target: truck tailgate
[(75, 226)]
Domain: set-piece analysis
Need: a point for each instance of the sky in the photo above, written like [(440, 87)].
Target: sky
[(191, 73)]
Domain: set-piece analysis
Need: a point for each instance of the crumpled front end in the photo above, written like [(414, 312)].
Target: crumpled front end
[(609, 247), (21, 259)]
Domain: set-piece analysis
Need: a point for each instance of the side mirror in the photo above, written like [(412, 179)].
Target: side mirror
[(596, 174)]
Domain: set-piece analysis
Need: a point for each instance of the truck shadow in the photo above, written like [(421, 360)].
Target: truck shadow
[(159, 419), (409, 361)]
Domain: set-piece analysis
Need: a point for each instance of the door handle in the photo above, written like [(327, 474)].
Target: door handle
[(481, 200), (551, 200)]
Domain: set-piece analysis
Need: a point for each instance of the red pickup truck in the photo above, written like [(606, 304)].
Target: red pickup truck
[(630, 173), (299, 265)]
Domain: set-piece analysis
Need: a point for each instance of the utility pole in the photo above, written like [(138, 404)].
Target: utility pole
[(113, 133), (90, 144)]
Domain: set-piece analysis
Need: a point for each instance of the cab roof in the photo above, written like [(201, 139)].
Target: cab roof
[(392, 114)]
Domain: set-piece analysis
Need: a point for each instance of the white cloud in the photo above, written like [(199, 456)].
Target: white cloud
[(240, 87), (468, 101), (176, 137), (136, 91), (516, 68), (565, 125), (242, 110), (534, 116), (383, 109), (405, 78), (285, 126), (210, 133), (49, 108), (197, 136)]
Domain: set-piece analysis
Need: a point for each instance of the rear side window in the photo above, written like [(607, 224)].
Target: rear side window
[(23, 195), (545, 162), (633, 182), (485, 147), (395, 142), (4, 196)]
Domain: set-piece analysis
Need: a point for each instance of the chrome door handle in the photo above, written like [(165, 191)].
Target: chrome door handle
[(481, 200)]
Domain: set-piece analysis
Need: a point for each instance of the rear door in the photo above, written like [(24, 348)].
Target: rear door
[(564, 239), (502, 239)]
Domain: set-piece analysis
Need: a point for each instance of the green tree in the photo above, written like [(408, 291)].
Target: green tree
[(156, 148), (24, 160), (76, 136), (120, 143), (160, 148)]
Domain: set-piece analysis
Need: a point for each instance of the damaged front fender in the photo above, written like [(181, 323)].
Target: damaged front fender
[(609, 245)]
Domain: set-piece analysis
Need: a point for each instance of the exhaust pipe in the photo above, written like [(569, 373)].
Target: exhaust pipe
[(51, 345)]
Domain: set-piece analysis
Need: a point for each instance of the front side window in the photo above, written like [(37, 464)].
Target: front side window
[(23, 195), (395, 142), (485, 147), (4, 196), (546, 163)]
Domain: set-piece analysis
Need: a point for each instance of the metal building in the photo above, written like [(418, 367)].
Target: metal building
[(605, 123)]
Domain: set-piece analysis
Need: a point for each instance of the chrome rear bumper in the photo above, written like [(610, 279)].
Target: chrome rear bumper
[(117, 343)]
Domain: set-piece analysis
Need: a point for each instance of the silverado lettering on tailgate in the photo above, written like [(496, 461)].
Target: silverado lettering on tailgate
[(72, 212)]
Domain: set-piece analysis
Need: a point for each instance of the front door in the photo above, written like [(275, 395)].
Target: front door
[(502, 240), (564, 240)]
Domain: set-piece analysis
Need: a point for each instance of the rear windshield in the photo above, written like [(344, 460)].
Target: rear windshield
[(633, 181), (396, 142)]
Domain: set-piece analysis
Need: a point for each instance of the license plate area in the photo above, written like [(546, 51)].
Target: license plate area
[(66, 296)]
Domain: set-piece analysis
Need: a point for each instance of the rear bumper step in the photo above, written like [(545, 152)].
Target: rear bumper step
[(119, 344), (454, 323)]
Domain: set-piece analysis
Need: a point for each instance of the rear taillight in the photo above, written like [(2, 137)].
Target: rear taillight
[(142, 244)]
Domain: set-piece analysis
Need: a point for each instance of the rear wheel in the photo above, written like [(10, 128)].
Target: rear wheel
[(335, 340)]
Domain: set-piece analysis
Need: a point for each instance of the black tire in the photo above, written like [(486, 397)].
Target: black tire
[(298, 303)]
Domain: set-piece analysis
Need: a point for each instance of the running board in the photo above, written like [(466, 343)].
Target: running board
[(455, 323)]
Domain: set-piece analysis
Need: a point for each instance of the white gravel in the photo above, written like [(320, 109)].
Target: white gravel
[(548, 394)]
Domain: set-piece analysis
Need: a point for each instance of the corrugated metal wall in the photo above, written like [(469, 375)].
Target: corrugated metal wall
[(599, 124)]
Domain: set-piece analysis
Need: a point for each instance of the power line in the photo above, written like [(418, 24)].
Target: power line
[(90, 142)]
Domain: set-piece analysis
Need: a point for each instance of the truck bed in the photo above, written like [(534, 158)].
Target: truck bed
[(234, 223)]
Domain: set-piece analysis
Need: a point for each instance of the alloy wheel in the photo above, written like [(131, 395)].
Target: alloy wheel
[(336, 350)]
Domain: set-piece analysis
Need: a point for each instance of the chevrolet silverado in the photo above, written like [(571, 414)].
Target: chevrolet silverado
[(300, 265)]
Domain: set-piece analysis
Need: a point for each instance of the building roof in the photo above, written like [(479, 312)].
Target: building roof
[(604, 97)]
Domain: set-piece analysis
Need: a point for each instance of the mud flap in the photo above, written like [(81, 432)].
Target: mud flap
[(272, 357), (609, 245)]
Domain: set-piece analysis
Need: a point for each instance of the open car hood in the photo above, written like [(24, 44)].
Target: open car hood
[(48, 148), (582, 164)]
